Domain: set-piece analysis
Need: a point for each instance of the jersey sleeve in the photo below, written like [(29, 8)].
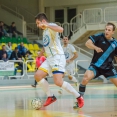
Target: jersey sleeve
[(95, 38), (53, 24), (116, 51), (72, 48)]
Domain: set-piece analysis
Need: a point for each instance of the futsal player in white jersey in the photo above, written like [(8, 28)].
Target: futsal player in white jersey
[(55, 61), (70, 55)]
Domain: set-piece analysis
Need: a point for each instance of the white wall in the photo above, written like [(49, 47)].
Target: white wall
[(50, 3), (80, 8), (31, 5), (80, 5), (9, 18)]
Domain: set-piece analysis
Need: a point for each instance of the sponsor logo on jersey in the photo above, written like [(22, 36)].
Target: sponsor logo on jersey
[(66, 55), (46, 40)]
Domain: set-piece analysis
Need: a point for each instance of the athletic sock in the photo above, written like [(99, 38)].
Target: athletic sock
[(82, 89), (74, 79), (45, 86), (70, 89)]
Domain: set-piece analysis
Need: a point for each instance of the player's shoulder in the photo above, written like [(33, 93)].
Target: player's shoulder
[(99, 34), (115, 41), (70, 45), (52, 24)]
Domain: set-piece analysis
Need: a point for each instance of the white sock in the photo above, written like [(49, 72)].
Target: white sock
[(45, 86), (70, 89), (74, 79)]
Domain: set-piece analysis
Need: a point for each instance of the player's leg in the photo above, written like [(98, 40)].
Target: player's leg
[(73, 78), (40, 78), (60, 91), (71, 72), (87, 77), (114, 81), (111, 74), (58, 68), (82, 87), (65, 85), (40, 75), (35, 83)]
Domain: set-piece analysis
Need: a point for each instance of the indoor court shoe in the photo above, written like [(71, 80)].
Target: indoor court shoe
[(50, 100), (76, 84), (60, 91), (80, 102), (33, 86), (75, 105)]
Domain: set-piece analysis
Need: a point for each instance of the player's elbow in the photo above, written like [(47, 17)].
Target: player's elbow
[(60, 30), (87, 44), (76, 55)]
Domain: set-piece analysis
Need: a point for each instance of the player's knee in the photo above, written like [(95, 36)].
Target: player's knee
[(37, 76), (58, 83), (70, 77), (85, 80)]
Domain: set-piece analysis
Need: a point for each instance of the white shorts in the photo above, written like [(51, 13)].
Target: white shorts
[(70, 69), (54, 64)]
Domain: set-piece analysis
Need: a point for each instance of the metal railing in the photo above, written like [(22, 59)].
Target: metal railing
[(66, 28), (12, 11), (16, 61), (80, 50), (32, 27), (92, 16), (110, 14), (76, 23), (76, 67), (32, 70), (28, 17)]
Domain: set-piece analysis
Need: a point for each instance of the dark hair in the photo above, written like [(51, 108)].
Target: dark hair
[(112, 24), (66, 37), (13, 23), (41, 16), (3, 46), (1, 22), (16, 48), (28, 52)]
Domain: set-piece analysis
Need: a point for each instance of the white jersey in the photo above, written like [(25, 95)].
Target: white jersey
[(69, 51), (51, 42)]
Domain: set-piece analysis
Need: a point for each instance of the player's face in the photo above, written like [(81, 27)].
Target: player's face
[(109, 32), (65, 40), (39, 23)]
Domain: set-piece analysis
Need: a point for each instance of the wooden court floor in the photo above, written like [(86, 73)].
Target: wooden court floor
[(100, 101)]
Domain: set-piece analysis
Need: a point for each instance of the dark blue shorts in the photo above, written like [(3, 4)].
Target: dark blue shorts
[(109, 72)]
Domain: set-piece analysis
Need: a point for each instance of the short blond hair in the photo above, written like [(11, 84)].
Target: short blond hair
[(111, 24)]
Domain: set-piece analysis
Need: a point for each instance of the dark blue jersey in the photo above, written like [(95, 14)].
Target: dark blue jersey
[(103, 59)]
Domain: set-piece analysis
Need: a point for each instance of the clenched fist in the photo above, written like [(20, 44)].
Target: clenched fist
[(98, 50)]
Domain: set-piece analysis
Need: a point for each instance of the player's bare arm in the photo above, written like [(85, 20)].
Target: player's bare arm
[(115, 59), (73, 58), (54, 28), (91, 45)]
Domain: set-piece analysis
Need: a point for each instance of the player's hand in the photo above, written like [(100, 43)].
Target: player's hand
[(43, 26), (68, 61), (98, 50)]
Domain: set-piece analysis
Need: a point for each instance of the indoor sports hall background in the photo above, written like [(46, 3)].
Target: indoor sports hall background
[(80, 19)]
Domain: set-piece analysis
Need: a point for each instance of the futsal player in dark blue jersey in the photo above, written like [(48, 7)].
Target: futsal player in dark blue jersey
[(105, 49)]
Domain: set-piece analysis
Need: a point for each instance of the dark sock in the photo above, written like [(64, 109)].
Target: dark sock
[(46, 79), (82, 89), (35, 83)]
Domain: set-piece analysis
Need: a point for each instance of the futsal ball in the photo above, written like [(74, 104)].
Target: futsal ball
[(36, 103)]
